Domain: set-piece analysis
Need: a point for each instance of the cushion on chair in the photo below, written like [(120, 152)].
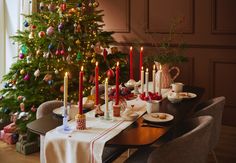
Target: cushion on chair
[(190, 147), (47, 107), (215, 109)]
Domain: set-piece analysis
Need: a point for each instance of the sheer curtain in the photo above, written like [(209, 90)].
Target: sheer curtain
[(10, 21)]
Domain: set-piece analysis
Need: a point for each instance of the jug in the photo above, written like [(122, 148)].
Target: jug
[(166, 79)]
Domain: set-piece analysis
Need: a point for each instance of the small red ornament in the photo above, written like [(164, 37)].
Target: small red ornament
[(57, 52), (33, 109), (62, 52), (63, 6), (110, 73), (62, 88), (41, 34), (33, 27)]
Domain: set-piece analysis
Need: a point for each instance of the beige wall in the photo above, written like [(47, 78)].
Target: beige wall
[(209, 30)]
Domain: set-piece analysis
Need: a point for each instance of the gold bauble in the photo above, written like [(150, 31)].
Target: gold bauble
[(22, 72), (77, 42)]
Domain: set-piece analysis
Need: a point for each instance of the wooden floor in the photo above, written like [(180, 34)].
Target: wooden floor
[(225, 151)]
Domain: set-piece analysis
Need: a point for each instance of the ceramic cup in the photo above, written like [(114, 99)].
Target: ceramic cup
[(177, 87), (153, 106)]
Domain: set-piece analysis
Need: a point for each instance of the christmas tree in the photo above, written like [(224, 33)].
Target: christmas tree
[(61, 37)]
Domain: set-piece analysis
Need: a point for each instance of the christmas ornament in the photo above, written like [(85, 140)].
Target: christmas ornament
[(62, 88), (69, 49), (110, 73), (60, 27), (41, 5), (47, 77), (90, 4), (93, 60), (33, 109), (51, 7), (31, 35), (95, 4), (77, 42), (68, 59), (38, 52), (50, 46), (27, 77), (26, 24), (50, 82), (62, 52), (41, 34), (50, 31), (28, 59), (37, 73), (56, 71), (63, 6), (6, 85), (21, 56), (19, 98), (24, 49), (79, 56), (22, 107), (57, 52), (33, 27), (22, 72)]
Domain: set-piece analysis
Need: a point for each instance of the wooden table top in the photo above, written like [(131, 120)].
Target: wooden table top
[(135, 135)]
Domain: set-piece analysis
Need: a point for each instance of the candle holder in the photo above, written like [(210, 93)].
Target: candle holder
[(80, 121), (116, 110), (65, 128), (98, 111)]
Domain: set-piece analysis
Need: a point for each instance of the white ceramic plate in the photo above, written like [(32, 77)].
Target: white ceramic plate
[(187, 95), (155, 117)]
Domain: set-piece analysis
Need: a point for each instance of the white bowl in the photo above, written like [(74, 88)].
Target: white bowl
[(130, 117)]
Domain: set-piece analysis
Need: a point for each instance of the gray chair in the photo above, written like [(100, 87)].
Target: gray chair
[(109, 153), (213, 107), (190, 147)]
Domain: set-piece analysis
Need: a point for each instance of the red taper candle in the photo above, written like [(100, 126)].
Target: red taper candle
[(117, 83), (131, 63), (81, 76), (140, 62), (96, 84)]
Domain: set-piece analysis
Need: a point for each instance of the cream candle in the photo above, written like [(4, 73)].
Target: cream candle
[(117, 83), (131, 63), (106, 97), (65, 89), (159, 80), (81, 76), (154, 79), (140, 61), (142, 80), (146, 81)]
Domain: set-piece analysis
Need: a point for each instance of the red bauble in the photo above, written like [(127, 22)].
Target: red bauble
[(110, 73), (63, 6), (62, 52), (41, 34)]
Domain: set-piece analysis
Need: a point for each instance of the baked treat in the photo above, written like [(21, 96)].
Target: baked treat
[(162, 116)]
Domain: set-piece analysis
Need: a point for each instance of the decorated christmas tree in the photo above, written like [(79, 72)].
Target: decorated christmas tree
[(61, 37)]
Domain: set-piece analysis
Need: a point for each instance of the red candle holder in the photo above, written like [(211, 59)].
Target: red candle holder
[(80, 121), (116, 110)]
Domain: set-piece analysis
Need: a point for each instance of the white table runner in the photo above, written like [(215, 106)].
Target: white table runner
[(86, 146)]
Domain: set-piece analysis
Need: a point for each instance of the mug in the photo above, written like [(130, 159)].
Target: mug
[(177, 87), (152, 106)]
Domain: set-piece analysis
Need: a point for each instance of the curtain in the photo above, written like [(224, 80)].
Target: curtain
[(10, 21)]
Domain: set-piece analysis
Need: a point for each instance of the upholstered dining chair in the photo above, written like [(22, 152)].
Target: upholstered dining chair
[(190, 147), (109, 153), (213, 107)]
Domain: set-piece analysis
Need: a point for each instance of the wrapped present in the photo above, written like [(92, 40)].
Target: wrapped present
[(26, 148), (10, 138), (10, 128)]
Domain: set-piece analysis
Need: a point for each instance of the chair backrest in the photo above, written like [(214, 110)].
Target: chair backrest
[(215, 109), (191, 147), (47, 107)]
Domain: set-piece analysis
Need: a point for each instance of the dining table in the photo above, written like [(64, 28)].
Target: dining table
[(139, 133)]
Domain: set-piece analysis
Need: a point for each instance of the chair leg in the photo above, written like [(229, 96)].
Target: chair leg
[(214, 156)]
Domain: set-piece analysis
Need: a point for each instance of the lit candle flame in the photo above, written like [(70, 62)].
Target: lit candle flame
[(142, 68), (117, 64), (106, 80), (141, 48), (82, 68), (96, 63), (66, 74), (160, 67), (131, 48), (154, 67), (146, 69)]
